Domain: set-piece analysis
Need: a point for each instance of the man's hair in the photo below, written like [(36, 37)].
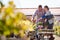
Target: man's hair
[(40, 6), (46, 7)]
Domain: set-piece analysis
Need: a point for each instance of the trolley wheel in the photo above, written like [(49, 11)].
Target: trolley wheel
[(51, 37), (32, 38)]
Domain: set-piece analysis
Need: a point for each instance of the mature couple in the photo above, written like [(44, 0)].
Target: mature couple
[(45, 14)]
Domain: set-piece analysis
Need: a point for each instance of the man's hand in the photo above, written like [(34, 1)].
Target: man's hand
[(33, 20)]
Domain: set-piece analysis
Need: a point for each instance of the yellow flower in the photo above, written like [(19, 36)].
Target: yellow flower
[(9, 21), (9, 10), (22, 34), (20, 15), (11, 2)]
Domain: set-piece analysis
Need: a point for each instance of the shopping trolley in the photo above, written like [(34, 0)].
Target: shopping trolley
[(43, 34)]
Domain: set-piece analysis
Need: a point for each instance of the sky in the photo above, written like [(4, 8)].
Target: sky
[(33, 3)]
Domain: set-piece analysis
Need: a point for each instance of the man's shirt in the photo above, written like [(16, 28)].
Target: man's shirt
[(38, 13)]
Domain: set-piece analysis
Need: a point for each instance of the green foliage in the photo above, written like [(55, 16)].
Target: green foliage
[(1, 4), (40, 23)]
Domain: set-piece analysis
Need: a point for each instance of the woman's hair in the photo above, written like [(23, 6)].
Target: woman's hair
[(46, 7)]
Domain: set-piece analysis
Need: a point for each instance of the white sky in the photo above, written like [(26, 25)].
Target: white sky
[(33, 3)]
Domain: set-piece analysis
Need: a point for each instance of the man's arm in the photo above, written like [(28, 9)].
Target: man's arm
[(34, 14)]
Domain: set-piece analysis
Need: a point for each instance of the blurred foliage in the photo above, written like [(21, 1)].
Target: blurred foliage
[(57, 28), (16, 22)]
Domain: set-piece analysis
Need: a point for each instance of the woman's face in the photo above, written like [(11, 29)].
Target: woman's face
[(45, 9)]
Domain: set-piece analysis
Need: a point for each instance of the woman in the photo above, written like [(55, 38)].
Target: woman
[(49, 18)]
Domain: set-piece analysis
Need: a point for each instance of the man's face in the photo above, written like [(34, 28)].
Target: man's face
[(40, 8)]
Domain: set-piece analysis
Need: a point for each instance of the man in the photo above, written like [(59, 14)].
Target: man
[(38, 14)]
